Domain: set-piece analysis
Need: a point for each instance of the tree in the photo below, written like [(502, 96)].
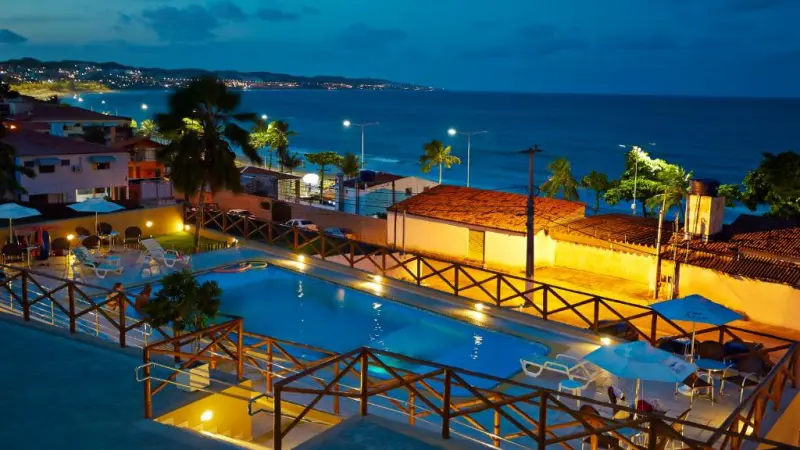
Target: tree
[(672, 186), (278, 134), (184, 303), (731, 192), (561, 180), (776, 183), (436, 154), (203, 120), (259, 139), (9, 183), (291, 162), (350, 165), (639, 180), (148, 129), (322, 160), (599, 183)]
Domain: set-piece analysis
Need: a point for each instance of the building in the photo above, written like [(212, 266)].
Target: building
[(483, 226), (68, 170), (378, 191), (143, 162), (269, 183), (68, 121)]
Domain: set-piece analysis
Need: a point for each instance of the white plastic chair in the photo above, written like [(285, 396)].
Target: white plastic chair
[(169, 257)]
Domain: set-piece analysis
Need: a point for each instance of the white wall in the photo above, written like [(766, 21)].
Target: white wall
[(65, 180)]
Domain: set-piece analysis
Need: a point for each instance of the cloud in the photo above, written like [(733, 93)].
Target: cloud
[(531, 40), (40, 18), (309, 10), (360, 35), (191, 23), (227, 10), (9, 37), (124, 19), (277, 15)]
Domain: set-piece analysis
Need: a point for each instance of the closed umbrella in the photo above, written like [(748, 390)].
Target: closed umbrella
[(696, 309), (97, 206), (641, 361), (13, 211)]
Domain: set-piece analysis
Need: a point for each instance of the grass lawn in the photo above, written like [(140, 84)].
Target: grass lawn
[(183, 241)]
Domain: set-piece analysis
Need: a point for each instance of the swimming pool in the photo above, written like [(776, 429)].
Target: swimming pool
[(301, 308)]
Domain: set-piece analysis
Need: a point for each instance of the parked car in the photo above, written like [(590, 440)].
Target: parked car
[(301, 223), (343, 233), (240, 213)]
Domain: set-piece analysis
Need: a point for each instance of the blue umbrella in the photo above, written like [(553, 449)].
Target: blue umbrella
[(96, 205), (641, 361), (696, 309), (13, 211)]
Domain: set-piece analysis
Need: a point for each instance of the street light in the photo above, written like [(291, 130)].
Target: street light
[(144, 106), (468, 134), (348, 124), (264, 117), (636, 153), (529, 260)]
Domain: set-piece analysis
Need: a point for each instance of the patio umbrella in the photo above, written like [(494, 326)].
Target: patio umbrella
[(641, 361), (13, 211), (97, 206), (696, 309)]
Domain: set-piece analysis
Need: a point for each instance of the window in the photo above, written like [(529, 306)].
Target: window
[(30, 164), (409, 193), (47, 169), (64, 162), (101, 166)]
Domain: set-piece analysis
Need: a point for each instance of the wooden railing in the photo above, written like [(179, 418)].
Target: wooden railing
[(471, 283), (77, 303), (214, 345)]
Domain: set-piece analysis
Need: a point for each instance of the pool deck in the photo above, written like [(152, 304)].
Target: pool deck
[(62, 391)]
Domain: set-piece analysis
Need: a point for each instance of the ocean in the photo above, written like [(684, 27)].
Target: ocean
[(720, 138)]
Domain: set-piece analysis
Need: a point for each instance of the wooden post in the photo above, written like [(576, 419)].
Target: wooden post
[(364, 383), (419, 271), (336, 388), (496, 429), (122, 302), (652, 436), (71, 296), (148, 389), (455, 279), (596, 319), (276, 427), (322, 245), (269, 366), (653, 328), (446, 405), (544, 302), (412, 408), (542, 437), (240, 350), (26, 308)]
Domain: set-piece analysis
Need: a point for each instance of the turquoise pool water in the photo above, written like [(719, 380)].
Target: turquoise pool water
[(301, 308)]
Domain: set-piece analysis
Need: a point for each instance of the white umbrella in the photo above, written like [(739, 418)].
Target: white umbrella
[(13, 211), (97, 206)]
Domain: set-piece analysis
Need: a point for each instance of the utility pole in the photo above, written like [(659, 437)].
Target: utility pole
[(658, 246), (529, 260)]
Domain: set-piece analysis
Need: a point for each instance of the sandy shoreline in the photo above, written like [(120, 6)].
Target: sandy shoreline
[(44, 94)]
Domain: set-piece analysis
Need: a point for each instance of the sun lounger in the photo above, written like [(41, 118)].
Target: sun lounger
[(101, 267), (570, 366), (154, 250)]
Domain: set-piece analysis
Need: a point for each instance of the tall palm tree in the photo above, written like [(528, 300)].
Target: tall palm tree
[(561, 180), (202, 156), (597, 182), (323, 160), (350, 165), (672, 185), (435, 153), (9, 183), (148, 128), (278, 134), (291, 162), (259, 139)]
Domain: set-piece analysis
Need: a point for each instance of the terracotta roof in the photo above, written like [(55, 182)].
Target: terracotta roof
[(616, 227), (258, 171), (137, 142), (490, 209), (45, 112), (765, 234), (747, 266), (31, 143), (380, 178)]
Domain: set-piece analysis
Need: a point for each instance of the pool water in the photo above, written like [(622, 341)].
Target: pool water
[(308, 310)]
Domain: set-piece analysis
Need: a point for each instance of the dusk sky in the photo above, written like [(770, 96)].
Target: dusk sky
[(675, 47)]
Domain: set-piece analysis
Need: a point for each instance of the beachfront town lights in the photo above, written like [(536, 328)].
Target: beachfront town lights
[(80, 100), (207, 415), (605, 341), (148, 224)]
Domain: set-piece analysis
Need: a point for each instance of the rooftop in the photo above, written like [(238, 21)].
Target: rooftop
[(491, 209), (380, 178), (46, 112), (258, 171), (615, 227), (31, 143)]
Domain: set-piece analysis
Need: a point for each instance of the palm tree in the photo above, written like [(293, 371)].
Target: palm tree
[(278, 134), (291, 162), (259, 139), (350, 165), (436, 154), (672, 185), (202, 156), (148, 128), (597, 182), (322, 160), (561, 180), (9, 183)]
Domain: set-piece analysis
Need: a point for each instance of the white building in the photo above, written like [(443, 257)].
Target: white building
[(483, 226), (68, 170), (378, 190)]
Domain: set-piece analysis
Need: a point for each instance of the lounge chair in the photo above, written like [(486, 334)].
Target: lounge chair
[(133, 235), (154, 250), (101, 268), (570, 366)]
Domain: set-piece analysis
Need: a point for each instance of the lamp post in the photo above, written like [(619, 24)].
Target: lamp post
[(348, 124), (468, 134), (531, 152), (636, 152)]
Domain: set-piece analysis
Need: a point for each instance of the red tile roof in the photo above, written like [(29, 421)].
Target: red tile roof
[(30, 143), (45, 112), (490, 209), (616, 227)]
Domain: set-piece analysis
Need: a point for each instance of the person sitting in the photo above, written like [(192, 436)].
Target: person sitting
[(143, 297), (112, 297)]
